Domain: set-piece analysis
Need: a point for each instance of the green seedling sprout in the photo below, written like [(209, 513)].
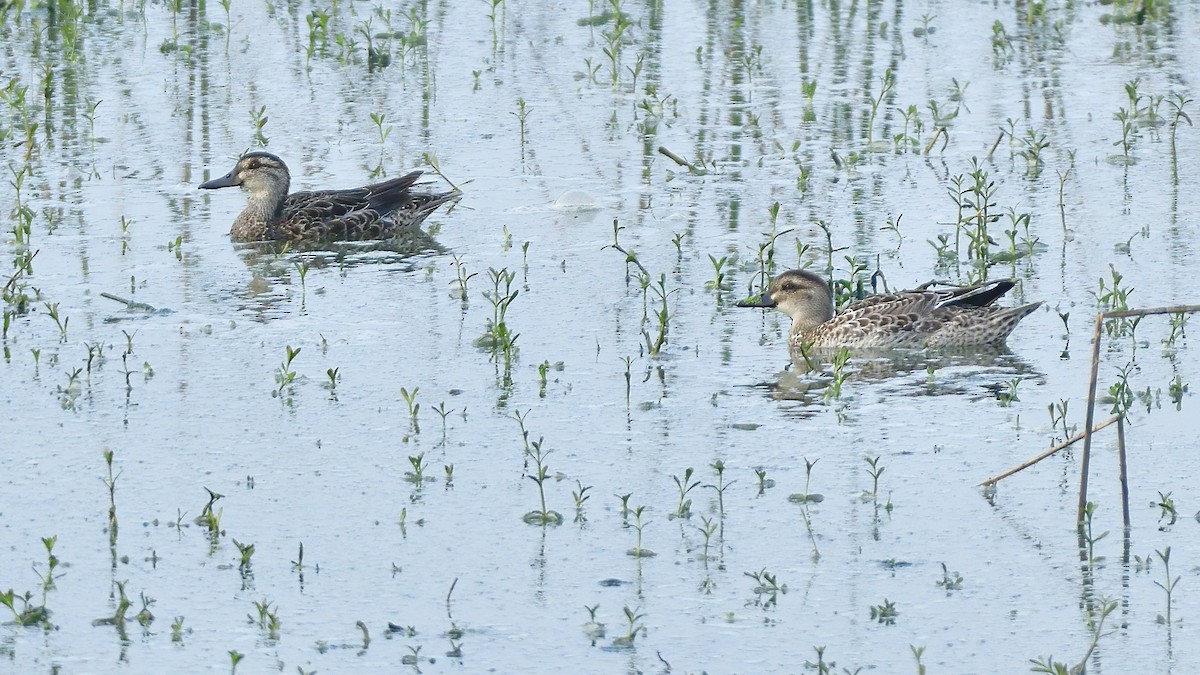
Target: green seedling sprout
[(245, 552), (875, 471), (634, 626), (950, 582), (410, 399), (886, 613), (684, 508), (1088, 537), (767, 588), (544, 516), (580, 495), (639, 525), (1169, 585), (285, 376), (417, 475)]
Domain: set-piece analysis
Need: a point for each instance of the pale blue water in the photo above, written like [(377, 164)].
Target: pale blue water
[(327, 468)]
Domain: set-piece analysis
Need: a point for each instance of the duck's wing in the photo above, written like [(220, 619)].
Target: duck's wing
[(356, 213), (979, 295)]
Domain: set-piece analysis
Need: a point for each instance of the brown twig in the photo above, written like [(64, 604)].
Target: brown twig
[(1074, 439)]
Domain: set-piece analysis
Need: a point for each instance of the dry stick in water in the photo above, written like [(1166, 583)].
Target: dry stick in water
[(662, 149), (1091, 403), (1074, 439)]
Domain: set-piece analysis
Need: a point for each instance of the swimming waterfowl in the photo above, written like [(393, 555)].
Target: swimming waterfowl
[(958, 317), (369, 212)]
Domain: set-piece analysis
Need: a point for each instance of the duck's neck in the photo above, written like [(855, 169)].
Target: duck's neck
[(263, 209), (806, 322)]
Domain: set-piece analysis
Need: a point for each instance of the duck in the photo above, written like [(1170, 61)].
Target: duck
[(368, 212), (923, 317)]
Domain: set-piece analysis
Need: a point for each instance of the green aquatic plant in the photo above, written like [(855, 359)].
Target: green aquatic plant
[(418, 464), (1166, 506), (708, 528), (767, 588), (633, 626), (1120, 393), (885, 613), (950, 582), (717, 283), (410, 400), (684, 508), (285, 376), (841, 357), (1008, 394), (267, 619), (52, 563), (1176, 388), (874, 470), (498, 338), (655, 344), (1169, 584), (1034, 142), (1048, 666), (443, 413), (60, 321), (638, 551), (258, 117), (24, 612), (1087, 535), (760, 475), (522, 115), (544, 516), (720, 486), (580, 495), (245, 553), (887, 82)]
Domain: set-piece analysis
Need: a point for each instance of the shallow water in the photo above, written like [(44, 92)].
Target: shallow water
[(201, 406)]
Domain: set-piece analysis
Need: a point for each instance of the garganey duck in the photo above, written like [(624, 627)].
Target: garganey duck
[(957, 317), (369, 212)]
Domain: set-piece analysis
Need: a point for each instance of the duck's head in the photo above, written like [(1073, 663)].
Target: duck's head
[(258, 172), (800, 294)]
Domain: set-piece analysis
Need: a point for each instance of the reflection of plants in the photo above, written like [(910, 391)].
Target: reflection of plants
[(886, 83), (1049, 666)]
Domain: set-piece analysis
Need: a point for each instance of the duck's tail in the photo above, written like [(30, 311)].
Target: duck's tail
[(1005, 320)]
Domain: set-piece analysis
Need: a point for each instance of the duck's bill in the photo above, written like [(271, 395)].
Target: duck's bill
[(228, 180), (763, 300)]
